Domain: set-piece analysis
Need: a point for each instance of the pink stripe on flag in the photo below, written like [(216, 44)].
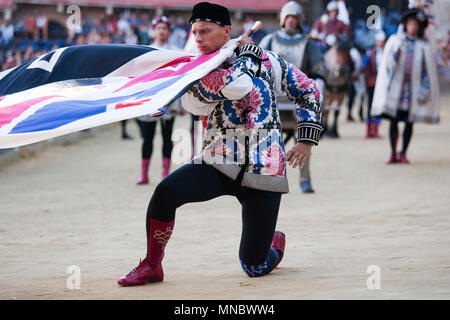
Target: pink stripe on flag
[(162, 73), (9, 113), (131, 104)]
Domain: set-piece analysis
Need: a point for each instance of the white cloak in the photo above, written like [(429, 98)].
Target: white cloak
[(390, 80)]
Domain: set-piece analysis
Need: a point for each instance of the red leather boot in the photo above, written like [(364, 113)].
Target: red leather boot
[(394, 158), (150, 269), (144, 172), (376, 135), (279, 243), (369, 130), (403, 158), (166, 167)]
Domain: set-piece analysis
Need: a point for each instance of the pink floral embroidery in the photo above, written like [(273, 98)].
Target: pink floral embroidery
[(305, 83), (253, 100), (266, 62), (275, 161), (215, 81)]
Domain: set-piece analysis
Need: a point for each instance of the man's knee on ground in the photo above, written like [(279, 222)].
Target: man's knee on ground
[(255, 270)]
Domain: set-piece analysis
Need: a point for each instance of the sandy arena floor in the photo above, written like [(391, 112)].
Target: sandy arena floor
[(78, 204)]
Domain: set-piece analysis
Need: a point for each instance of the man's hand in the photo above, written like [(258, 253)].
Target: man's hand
[(245, 39), (299, 153)]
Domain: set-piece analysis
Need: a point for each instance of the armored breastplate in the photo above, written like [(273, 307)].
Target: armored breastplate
[(292, 49)]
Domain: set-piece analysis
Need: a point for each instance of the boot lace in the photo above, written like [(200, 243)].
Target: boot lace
[(136, 268)]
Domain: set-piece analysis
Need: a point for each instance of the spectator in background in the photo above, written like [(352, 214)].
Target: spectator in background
[(147, 124), (179, 34), (30, 26), (7, 31), (143, 36), (370, 66), (42, 26), (11, 61), (80, 39), (363, 37), (28, 54), (111, 25), (407, 88), (122, 24), (93, 37), (133, 21), (118, 37), (130, 37), (330, 24), (358, 87)]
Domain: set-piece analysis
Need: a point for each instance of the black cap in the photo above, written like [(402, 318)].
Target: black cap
[(205, 11), (419, 15)]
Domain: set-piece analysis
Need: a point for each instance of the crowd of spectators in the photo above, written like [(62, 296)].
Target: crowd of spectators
[(33, 36)]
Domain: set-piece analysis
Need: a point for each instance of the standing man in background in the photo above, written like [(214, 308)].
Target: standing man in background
[(147, 125), (296, 48)]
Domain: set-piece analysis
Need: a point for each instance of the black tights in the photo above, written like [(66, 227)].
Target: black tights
[(148, 132), (393, 135), (202, 182)]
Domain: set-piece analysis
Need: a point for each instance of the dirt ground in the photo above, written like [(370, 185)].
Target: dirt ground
[(78, 204)]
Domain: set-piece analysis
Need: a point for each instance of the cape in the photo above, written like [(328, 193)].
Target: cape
[(390, 80)]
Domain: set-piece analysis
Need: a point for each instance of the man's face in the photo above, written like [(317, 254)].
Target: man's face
[(412, 27), (209, 36), (379, 43), (162, 32), (291, 23), (333, 13)]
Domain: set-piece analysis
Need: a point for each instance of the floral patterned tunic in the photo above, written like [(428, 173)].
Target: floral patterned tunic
[(242, 127)]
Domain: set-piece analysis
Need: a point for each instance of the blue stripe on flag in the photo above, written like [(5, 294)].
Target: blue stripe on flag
[(60, 113), (154, 90)]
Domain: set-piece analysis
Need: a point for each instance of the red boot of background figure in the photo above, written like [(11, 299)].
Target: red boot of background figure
[(375, 134), (369, 130), (403, 158), (392, 159), (144, 172), (166, 167)]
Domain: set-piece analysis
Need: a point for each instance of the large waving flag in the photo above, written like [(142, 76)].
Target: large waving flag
[(75, 88)]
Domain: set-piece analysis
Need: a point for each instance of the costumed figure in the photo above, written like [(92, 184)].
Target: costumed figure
[(371, 64), (407, 87), (339, 68), (330, 24), (147, 124), (243, 152), (358, 87), (298, 49)]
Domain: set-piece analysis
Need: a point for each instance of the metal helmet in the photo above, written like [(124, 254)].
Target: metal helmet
[(332, 5), (292, 8)]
